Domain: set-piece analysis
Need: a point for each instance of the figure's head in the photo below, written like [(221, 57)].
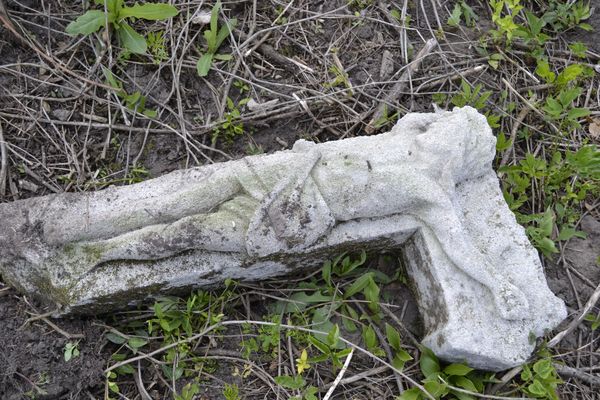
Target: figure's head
[(459, 143), (477, 141)]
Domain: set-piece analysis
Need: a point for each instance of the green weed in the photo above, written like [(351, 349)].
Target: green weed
[(563, 181), (71, 350), (231, 392), (214, 37), (594, 320), (462, 11), (540, 379), (451, 380), (118, 14), (134, 101), (157, 46), (231, 127), (190, 390)]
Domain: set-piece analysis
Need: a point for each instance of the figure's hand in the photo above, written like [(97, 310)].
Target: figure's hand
[(511, 302)]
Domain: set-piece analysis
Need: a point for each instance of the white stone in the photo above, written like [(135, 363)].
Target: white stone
[(427, 186)]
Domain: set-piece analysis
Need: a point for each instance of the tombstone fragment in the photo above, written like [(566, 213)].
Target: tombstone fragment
[(427, 186)]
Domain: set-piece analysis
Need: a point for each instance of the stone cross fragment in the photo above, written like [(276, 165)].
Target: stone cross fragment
[(427, 186)]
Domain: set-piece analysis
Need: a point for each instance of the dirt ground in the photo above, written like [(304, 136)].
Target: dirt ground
[(63, 141)]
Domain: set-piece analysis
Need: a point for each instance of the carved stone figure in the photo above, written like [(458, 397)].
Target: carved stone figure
[(266, 215)]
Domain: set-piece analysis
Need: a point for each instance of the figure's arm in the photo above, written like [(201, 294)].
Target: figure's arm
[(293, 214)]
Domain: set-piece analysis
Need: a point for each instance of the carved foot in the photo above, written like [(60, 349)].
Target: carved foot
[(511, 302)]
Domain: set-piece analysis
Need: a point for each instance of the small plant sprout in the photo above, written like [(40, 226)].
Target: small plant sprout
[(231, 392), (71, 350), (214, 38), (117, 14), (188, 392), (462, 10), (302, 362)]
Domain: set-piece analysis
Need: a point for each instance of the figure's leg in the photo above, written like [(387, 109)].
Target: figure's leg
[(223, 231), (118, 210), (456, 243)]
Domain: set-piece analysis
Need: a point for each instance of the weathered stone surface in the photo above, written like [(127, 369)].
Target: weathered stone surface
[(427, 185)]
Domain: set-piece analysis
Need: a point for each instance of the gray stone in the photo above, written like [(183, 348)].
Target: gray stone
[(427, 186)]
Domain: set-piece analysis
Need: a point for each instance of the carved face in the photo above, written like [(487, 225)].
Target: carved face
[(459, 143)]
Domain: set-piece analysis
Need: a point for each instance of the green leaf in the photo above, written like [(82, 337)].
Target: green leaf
[(371, 293), (410, 394), (469, 14), (465, 383), (537, 389), (349, 324), (204, 64), (457, 369), (87, 23), (398, 363), (300, 300), (362, 282), (502, 143), (333, 337), (150, 113), (369, 337), (131, 40), (214, 17), (462, 396), (569, 74), (553, 107), (547, 222), (170, 373), (435, 388), (136, 342), (111, 79), (567, 96), (547, 246), (289, 382), (223, 57), (400, 358), (526, 374), (543, 368), (321, 322), (544, 72), (578, 49), (113, 387), (567, 233), (576, 113), (71, 351), (116, 339), (125, 369), (326, 273), (430, 366), (224, 32), (535, 24), (393, 337), (454, 18), (149, 11), (113, 6)]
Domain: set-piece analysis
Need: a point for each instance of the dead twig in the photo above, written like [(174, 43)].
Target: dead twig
[(575, 323), (137, 376), (513, 134), (3, 161), (569, 372), (59, 330), (339, 377), (398, 88), (43, 317)]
